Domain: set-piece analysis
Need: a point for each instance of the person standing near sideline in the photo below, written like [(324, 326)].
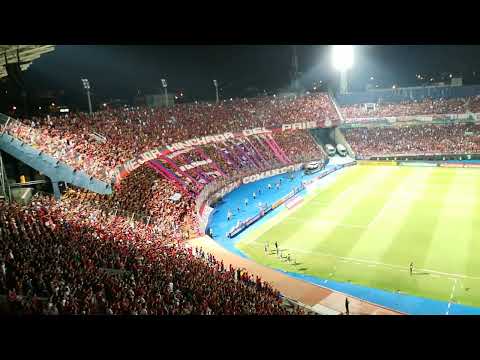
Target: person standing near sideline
[(347, 303), (276, 247), (411, 268)]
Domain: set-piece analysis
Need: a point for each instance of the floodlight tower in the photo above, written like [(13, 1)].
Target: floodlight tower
[(86, 86), (295, 68), (164, 84), (215, 83), (342, 60)]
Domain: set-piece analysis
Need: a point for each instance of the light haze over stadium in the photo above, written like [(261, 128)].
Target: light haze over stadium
[(227, 202)]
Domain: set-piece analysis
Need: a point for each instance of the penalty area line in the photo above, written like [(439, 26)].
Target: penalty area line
[(396, 267)]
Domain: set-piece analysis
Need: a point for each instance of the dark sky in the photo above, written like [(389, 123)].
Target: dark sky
[(118, 71)]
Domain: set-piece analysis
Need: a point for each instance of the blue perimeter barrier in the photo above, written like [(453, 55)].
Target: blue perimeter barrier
[(250, 221)]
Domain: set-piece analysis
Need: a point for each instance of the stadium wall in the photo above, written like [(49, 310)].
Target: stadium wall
[(56, 170), (423, 157), (440, 119), (214, 192), (408, 94), (377, 163), (247, 223), (123, 170), (425, 163)]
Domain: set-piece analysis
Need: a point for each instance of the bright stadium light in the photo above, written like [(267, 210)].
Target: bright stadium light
[(215, 83), (342, 57), (86, 86), (342, 61), (164, 84)]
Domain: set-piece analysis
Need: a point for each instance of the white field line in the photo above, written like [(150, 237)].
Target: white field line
[(396, 198), (323, 221), (392, 266), (287, 215), (279, 218), (453, 289), (373, 222), (451, 296), (403, 194)]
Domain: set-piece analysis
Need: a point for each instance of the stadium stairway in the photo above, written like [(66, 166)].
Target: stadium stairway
[(4, 187), (331, 136), (337, 134), (340, 139), (56, 170), (321, 137)]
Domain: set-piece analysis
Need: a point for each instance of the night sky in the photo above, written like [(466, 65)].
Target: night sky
[(121, 71)]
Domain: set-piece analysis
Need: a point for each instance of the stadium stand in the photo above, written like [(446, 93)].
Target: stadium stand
[(406, 108), (123, 254), (474, 104), (69, 257), (415, 139), (443, 137), (129, 132)]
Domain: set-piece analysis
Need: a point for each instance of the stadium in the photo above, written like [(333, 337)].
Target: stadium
[(305, 201)]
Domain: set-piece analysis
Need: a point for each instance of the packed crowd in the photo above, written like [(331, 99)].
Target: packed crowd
[(474, 104), (124, 254), (414, 140), (146, 193), (244, 155), (300, 146), (197, 167), (407, 108), (71, 257), (99, 143)]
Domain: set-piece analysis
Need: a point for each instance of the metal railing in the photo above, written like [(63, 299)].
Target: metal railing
[(4, 185), (4, 120)]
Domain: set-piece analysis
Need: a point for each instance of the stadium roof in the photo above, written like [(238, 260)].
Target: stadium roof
[(26, 54)]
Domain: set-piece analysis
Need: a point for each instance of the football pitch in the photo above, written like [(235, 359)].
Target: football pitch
[(368, 225)]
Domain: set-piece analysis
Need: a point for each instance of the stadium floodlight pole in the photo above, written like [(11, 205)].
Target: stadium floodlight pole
[(342, 60), (164, 84), (215, 83), (86, 86)]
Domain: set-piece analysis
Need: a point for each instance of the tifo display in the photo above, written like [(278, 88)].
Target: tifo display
[(173, 168)]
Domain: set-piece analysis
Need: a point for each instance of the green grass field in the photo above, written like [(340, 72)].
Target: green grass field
[(372, 221)]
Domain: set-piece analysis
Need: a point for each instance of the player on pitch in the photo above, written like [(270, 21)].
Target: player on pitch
[(411, 268)]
